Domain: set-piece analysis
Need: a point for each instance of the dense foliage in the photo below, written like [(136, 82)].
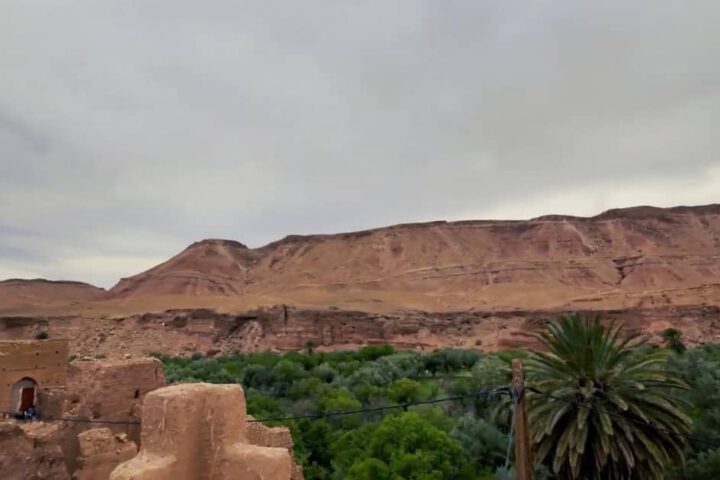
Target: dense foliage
[(447, 440), (462, 439)]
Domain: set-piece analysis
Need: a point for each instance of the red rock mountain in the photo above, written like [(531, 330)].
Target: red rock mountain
[(545, 262), (465, 284)]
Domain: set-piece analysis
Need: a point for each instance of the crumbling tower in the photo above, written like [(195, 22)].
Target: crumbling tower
[(199, 432)]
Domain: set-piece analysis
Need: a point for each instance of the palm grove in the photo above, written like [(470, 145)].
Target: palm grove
[(601, 405)]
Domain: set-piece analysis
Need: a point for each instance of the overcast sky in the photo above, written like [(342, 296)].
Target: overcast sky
[(131, 129)]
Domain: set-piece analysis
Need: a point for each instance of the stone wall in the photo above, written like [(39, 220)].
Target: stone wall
[(42, 361)]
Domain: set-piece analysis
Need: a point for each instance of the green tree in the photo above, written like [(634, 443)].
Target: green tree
[(405, 390), (313, 440), (482, 442), (673, 339), (412, 448), (614, 414), (369, 469), (706, 466), (340, 400)]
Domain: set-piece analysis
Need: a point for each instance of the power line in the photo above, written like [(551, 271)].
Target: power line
[(404, 406), (627, 418)]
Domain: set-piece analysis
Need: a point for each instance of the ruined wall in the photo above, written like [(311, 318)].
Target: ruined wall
[(259, 434), (100, 452), (44, 361), (112, 389), (107, 390), (31, 451), (199, 432)]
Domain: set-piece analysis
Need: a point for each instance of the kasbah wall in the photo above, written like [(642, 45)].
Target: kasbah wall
[(86, 389), (27, 364)]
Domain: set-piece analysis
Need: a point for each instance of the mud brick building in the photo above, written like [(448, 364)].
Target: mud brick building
[(26, 367)]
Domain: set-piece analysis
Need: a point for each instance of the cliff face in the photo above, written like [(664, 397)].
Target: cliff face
[(418, 285), (184, 332)]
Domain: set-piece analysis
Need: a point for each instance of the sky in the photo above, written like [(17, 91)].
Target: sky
[(129, 130)]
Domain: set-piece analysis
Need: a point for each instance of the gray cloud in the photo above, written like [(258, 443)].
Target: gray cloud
[(128, 130)]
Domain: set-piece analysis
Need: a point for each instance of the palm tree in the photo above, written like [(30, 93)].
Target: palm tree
[(607, 410)]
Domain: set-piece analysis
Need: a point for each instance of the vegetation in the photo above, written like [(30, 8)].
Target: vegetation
[(447, 440), (605, 389), (614, 412), (673, 339), (42, 335)]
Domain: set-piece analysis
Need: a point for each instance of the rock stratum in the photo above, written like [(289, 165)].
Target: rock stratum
[(466, 283)]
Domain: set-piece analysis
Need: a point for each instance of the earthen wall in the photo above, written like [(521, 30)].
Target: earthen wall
[(43, 361)]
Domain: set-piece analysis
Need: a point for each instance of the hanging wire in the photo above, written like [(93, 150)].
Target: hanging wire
[(511, 436), (478, 393)]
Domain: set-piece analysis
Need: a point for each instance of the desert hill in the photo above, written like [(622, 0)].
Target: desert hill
[(15, 293), (424, 285), (548, 261)]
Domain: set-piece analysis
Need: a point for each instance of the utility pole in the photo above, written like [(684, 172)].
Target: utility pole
[(523, 460)]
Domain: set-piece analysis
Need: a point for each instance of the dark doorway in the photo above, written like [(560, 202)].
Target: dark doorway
[(24, 394), (27, 398)]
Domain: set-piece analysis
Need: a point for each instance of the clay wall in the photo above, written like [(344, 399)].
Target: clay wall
[(259, 434), (198, 432), (112, 389), (43, 361), (107, 390), (101, 452), (279, 437)]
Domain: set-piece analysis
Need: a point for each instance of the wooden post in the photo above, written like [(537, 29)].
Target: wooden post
[(523, 460)]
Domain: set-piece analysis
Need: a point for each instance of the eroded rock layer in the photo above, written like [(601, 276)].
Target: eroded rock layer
[(210, 332)]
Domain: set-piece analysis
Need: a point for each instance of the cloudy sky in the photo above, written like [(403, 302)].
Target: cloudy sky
[(131, 129)]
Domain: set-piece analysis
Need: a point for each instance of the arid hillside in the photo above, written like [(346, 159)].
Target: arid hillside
[(641, 260), (546, 262), (30, 294)]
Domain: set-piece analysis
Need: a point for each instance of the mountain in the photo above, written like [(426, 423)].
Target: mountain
[(18, 292), (544, 262), (209, 267), (427, 285)]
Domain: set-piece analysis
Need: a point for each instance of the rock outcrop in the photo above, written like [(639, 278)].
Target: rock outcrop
[(199, 432), (211, 332), (31, 451)]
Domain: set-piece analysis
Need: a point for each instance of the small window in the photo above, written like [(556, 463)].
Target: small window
[(137, 393)]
